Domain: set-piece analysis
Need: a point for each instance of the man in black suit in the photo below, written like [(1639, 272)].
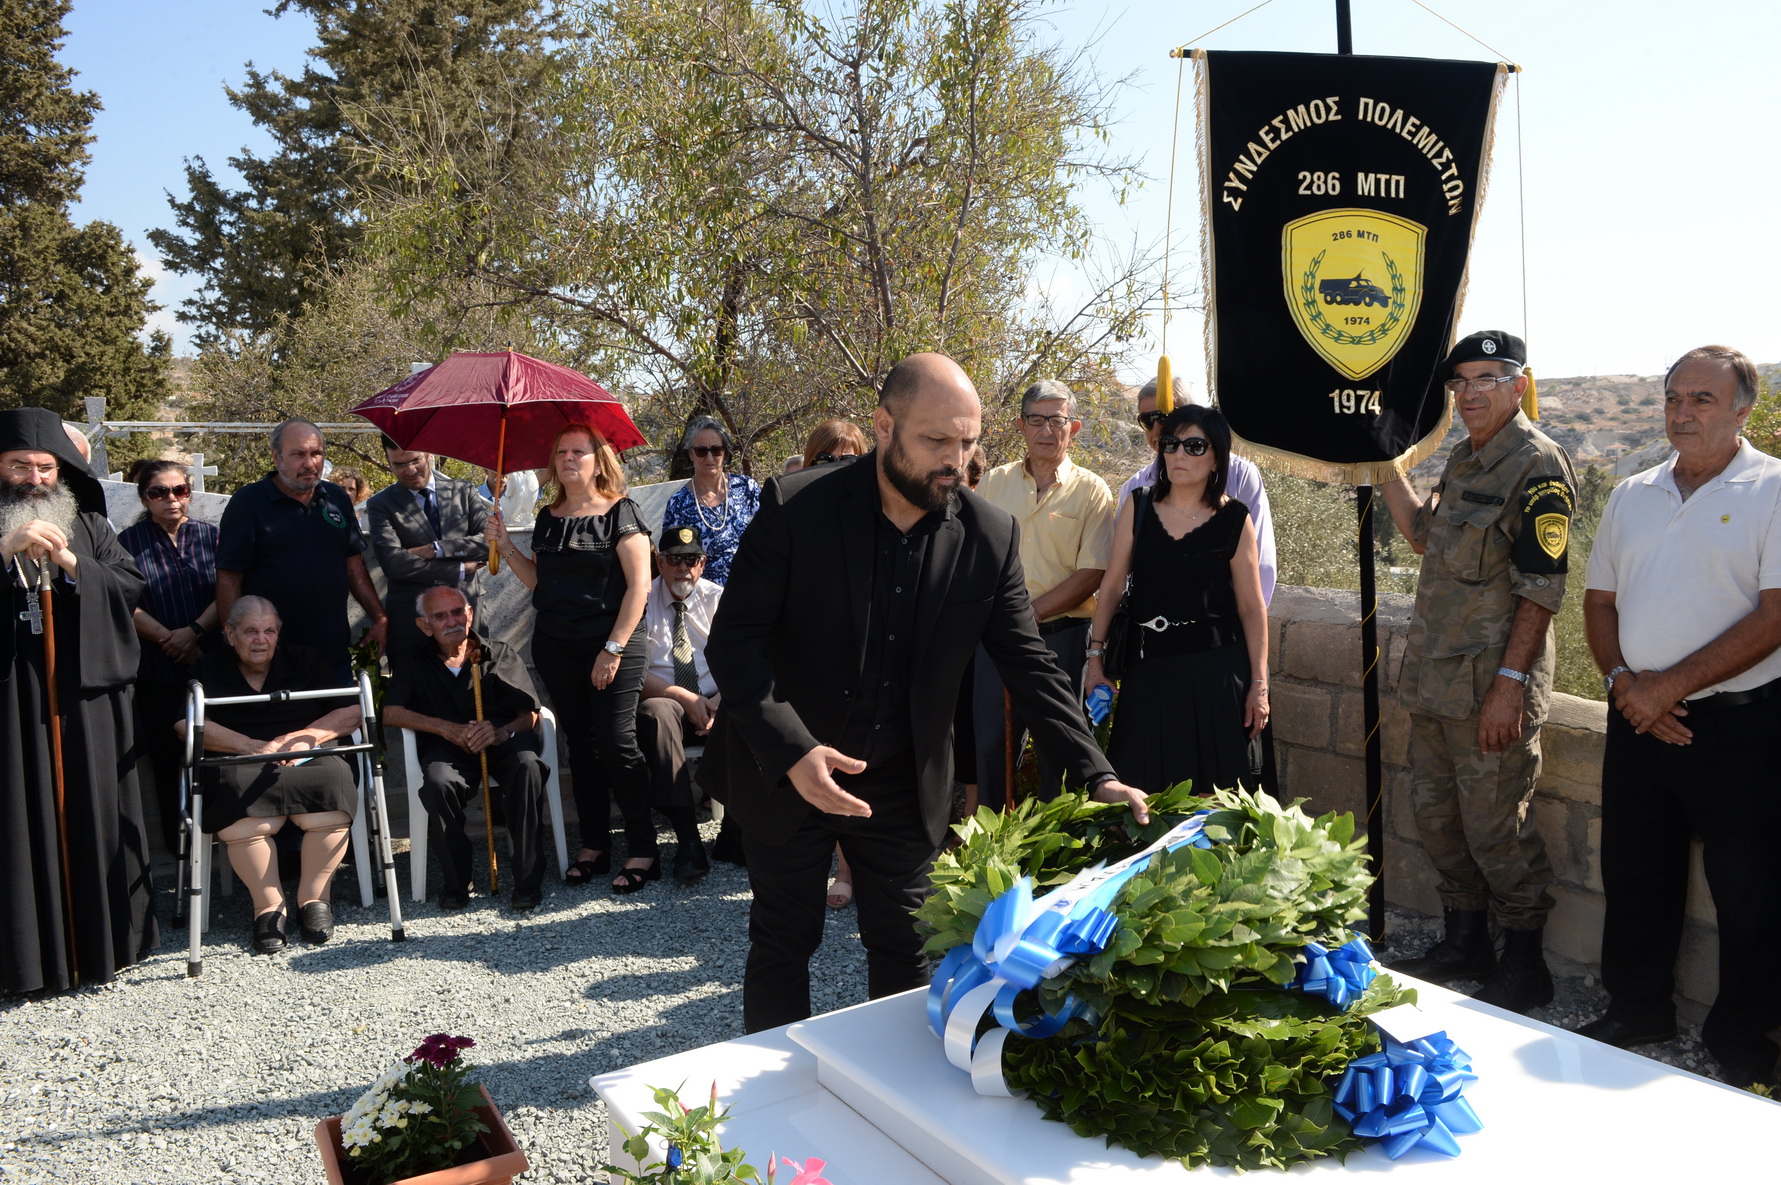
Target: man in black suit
[(856, 598), (427, 531)]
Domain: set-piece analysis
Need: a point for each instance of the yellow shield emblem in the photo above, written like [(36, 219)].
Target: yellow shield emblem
[(1552, 530), (1354, 284)]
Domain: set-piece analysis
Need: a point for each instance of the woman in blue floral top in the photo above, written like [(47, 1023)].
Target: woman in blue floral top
[(718, 504)]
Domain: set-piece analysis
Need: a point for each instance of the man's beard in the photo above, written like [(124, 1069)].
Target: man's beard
[(922, 490), (20, 504), (682, 587)]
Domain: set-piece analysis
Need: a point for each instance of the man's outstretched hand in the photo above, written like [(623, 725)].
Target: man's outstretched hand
[(811, 777), (1113, 791)]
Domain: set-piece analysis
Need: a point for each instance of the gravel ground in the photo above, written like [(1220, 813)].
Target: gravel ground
[(160, 1078)]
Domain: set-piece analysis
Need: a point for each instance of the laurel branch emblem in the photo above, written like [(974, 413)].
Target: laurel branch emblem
[(1308, 297)]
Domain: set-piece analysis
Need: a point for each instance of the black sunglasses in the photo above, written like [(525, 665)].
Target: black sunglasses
[(682, 561), (1150, 419), (157, 493), (706, 450), (1196, 446)]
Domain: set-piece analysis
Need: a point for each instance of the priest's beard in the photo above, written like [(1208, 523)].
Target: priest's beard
[(924, 492), (55, 505)]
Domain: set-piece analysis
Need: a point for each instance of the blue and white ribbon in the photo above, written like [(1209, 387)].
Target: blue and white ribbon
[(1339, 976), (1022, 941), (1408, 1095)]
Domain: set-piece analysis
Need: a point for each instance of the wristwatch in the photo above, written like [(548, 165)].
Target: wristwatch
[(1095, 649), (612, 648), (1608, 679), (1509, 673)]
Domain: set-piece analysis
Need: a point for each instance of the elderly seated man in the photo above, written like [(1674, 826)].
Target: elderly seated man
[(431, 693), (679, 696)]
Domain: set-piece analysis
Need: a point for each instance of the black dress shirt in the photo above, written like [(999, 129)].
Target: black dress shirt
[(878, 726)]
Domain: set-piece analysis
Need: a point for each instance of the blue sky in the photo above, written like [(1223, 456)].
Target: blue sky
[(1649, 137)]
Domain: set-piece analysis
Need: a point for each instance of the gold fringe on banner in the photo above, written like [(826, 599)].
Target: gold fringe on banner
[(1203, 150)]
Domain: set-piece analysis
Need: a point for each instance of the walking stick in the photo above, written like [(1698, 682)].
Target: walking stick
[(1007, 750), (46, 595), (488, 814)]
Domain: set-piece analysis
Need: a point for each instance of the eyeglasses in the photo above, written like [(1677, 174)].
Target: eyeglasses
[(1195, 446), (23, 469), (1055, 423), (682, 561), (1150, 419), (158, 493), (706, 450), (829, 458), (1482, 386)]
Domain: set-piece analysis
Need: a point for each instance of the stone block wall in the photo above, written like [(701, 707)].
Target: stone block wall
[(1315, 666)]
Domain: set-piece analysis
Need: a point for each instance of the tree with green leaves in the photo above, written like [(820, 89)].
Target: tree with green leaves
[(752, 208), (268, 248), (72, 302)]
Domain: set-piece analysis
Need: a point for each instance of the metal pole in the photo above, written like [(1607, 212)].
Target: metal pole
[(1369, 639)]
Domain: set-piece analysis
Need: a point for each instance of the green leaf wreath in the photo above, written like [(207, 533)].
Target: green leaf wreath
[(1198, 1052)]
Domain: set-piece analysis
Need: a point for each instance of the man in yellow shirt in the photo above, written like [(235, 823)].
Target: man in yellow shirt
[(1066, 524)]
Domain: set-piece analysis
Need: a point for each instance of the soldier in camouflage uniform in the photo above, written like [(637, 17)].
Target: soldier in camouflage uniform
[(1477, 677)]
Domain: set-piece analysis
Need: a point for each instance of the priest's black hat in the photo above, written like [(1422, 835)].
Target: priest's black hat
[(40, 430)]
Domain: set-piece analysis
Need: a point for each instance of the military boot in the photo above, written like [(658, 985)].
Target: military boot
[(1465, 953), (1522, 982)]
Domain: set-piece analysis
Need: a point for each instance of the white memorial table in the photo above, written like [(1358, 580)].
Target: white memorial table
[(868, 1090)]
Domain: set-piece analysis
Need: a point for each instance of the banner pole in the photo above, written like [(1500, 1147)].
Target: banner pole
[(1369, 639)]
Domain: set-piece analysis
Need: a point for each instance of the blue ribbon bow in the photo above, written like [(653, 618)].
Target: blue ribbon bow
[(1406, 1095), (1341, 976)]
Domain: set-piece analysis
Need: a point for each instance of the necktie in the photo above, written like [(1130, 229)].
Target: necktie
[(685, 673), (431, 508)]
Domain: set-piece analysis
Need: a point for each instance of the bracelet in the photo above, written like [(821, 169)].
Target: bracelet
[(1509, 673), (197, 630), (1094, 651)]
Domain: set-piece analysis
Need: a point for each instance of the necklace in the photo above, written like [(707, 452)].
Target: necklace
[(722, 508)]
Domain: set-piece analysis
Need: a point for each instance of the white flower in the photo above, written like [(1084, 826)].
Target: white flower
[(420, 1108)]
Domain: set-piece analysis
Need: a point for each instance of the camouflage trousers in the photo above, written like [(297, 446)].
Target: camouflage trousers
[(1474, 813)]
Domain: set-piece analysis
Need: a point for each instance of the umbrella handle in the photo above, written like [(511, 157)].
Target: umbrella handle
[(500, 481)]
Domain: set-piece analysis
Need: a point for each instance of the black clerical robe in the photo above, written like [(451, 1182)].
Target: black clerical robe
[(96, 658)]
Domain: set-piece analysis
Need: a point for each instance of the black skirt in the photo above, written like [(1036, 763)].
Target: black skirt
[(236, 792), (1179, 718)]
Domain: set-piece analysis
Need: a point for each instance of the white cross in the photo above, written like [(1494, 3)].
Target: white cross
[(199, 472)]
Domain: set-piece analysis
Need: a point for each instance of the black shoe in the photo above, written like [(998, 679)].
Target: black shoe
[(269, 936), (631, 879), (1522, 981), (526, 900), (316, 922), (1610, 1031), (728, 845), (690, 863), (1465, 953), (451, 899)]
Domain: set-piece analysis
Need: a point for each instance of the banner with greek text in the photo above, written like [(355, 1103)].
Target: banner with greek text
[(1340, 198)]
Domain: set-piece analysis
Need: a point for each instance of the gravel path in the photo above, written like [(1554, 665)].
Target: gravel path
[(159, 1078)]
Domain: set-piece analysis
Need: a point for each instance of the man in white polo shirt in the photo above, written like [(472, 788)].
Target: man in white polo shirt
[(1683, 614)]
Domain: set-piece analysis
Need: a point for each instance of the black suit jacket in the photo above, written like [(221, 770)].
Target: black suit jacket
[(787, 645), (397, 524)]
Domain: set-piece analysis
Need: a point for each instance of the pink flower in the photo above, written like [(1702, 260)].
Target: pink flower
[(441, 1049), (809, 1173)]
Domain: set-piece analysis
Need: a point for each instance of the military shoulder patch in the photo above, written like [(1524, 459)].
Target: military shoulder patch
[(1552, 532)]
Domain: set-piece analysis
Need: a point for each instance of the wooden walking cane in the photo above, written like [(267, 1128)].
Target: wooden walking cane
[(488, 814), (46, 597), (1008, 764)]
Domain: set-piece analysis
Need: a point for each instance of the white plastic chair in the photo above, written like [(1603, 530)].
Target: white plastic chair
[(418, 831), (195, 856)]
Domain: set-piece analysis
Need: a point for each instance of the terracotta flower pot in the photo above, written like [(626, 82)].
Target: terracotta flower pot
[(500, 1163)]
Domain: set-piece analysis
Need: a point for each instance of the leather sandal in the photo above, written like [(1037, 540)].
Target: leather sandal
[(583, 872), (629, 880)]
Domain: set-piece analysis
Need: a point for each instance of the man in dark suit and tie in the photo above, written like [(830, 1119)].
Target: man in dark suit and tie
[(855, 601), (426, 530)]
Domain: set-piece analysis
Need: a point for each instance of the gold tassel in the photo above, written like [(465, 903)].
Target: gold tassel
[(1530, 399), (1165, 386)]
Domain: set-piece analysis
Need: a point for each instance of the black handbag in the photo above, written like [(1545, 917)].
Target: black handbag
[(1122, 639)]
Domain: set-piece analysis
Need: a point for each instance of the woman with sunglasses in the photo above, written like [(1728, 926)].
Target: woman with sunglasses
[(718, 504), (1194, 698), (177, 556)]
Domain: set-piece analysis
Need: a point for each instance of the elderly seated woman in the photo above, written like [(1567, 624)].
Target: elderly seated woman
[(245, 805)]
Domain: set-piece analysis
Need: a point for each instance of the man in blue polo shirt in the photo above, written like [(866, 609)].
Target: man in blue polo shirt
[(294, 539)]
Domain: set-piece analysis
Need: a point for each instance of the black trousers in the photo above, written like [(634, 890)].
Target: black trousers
[(452, 779), (600, 725), (1721, 787), (663, 731), (1069, 642), (890, 856), (158, 707)]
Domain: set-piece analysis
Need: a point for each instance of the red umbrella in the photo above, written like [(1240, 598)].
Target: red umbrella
[(500, 411)]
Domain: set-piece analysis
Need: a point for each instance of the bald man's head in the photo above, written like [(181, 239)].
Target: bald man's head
[(923, 374), (928, 421)]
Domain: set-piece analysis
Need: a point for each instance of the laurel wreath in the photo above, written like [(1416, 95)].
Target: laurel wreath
[(1314, 311)]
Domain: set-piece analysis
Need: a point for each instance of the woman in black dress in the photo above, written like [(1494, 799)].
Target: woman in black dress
[(589, 576), (246, 805), (1194, 699)]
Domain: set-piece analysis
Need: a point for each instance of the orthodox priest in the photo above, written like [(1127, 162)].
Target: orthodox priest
[(52, 512)]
